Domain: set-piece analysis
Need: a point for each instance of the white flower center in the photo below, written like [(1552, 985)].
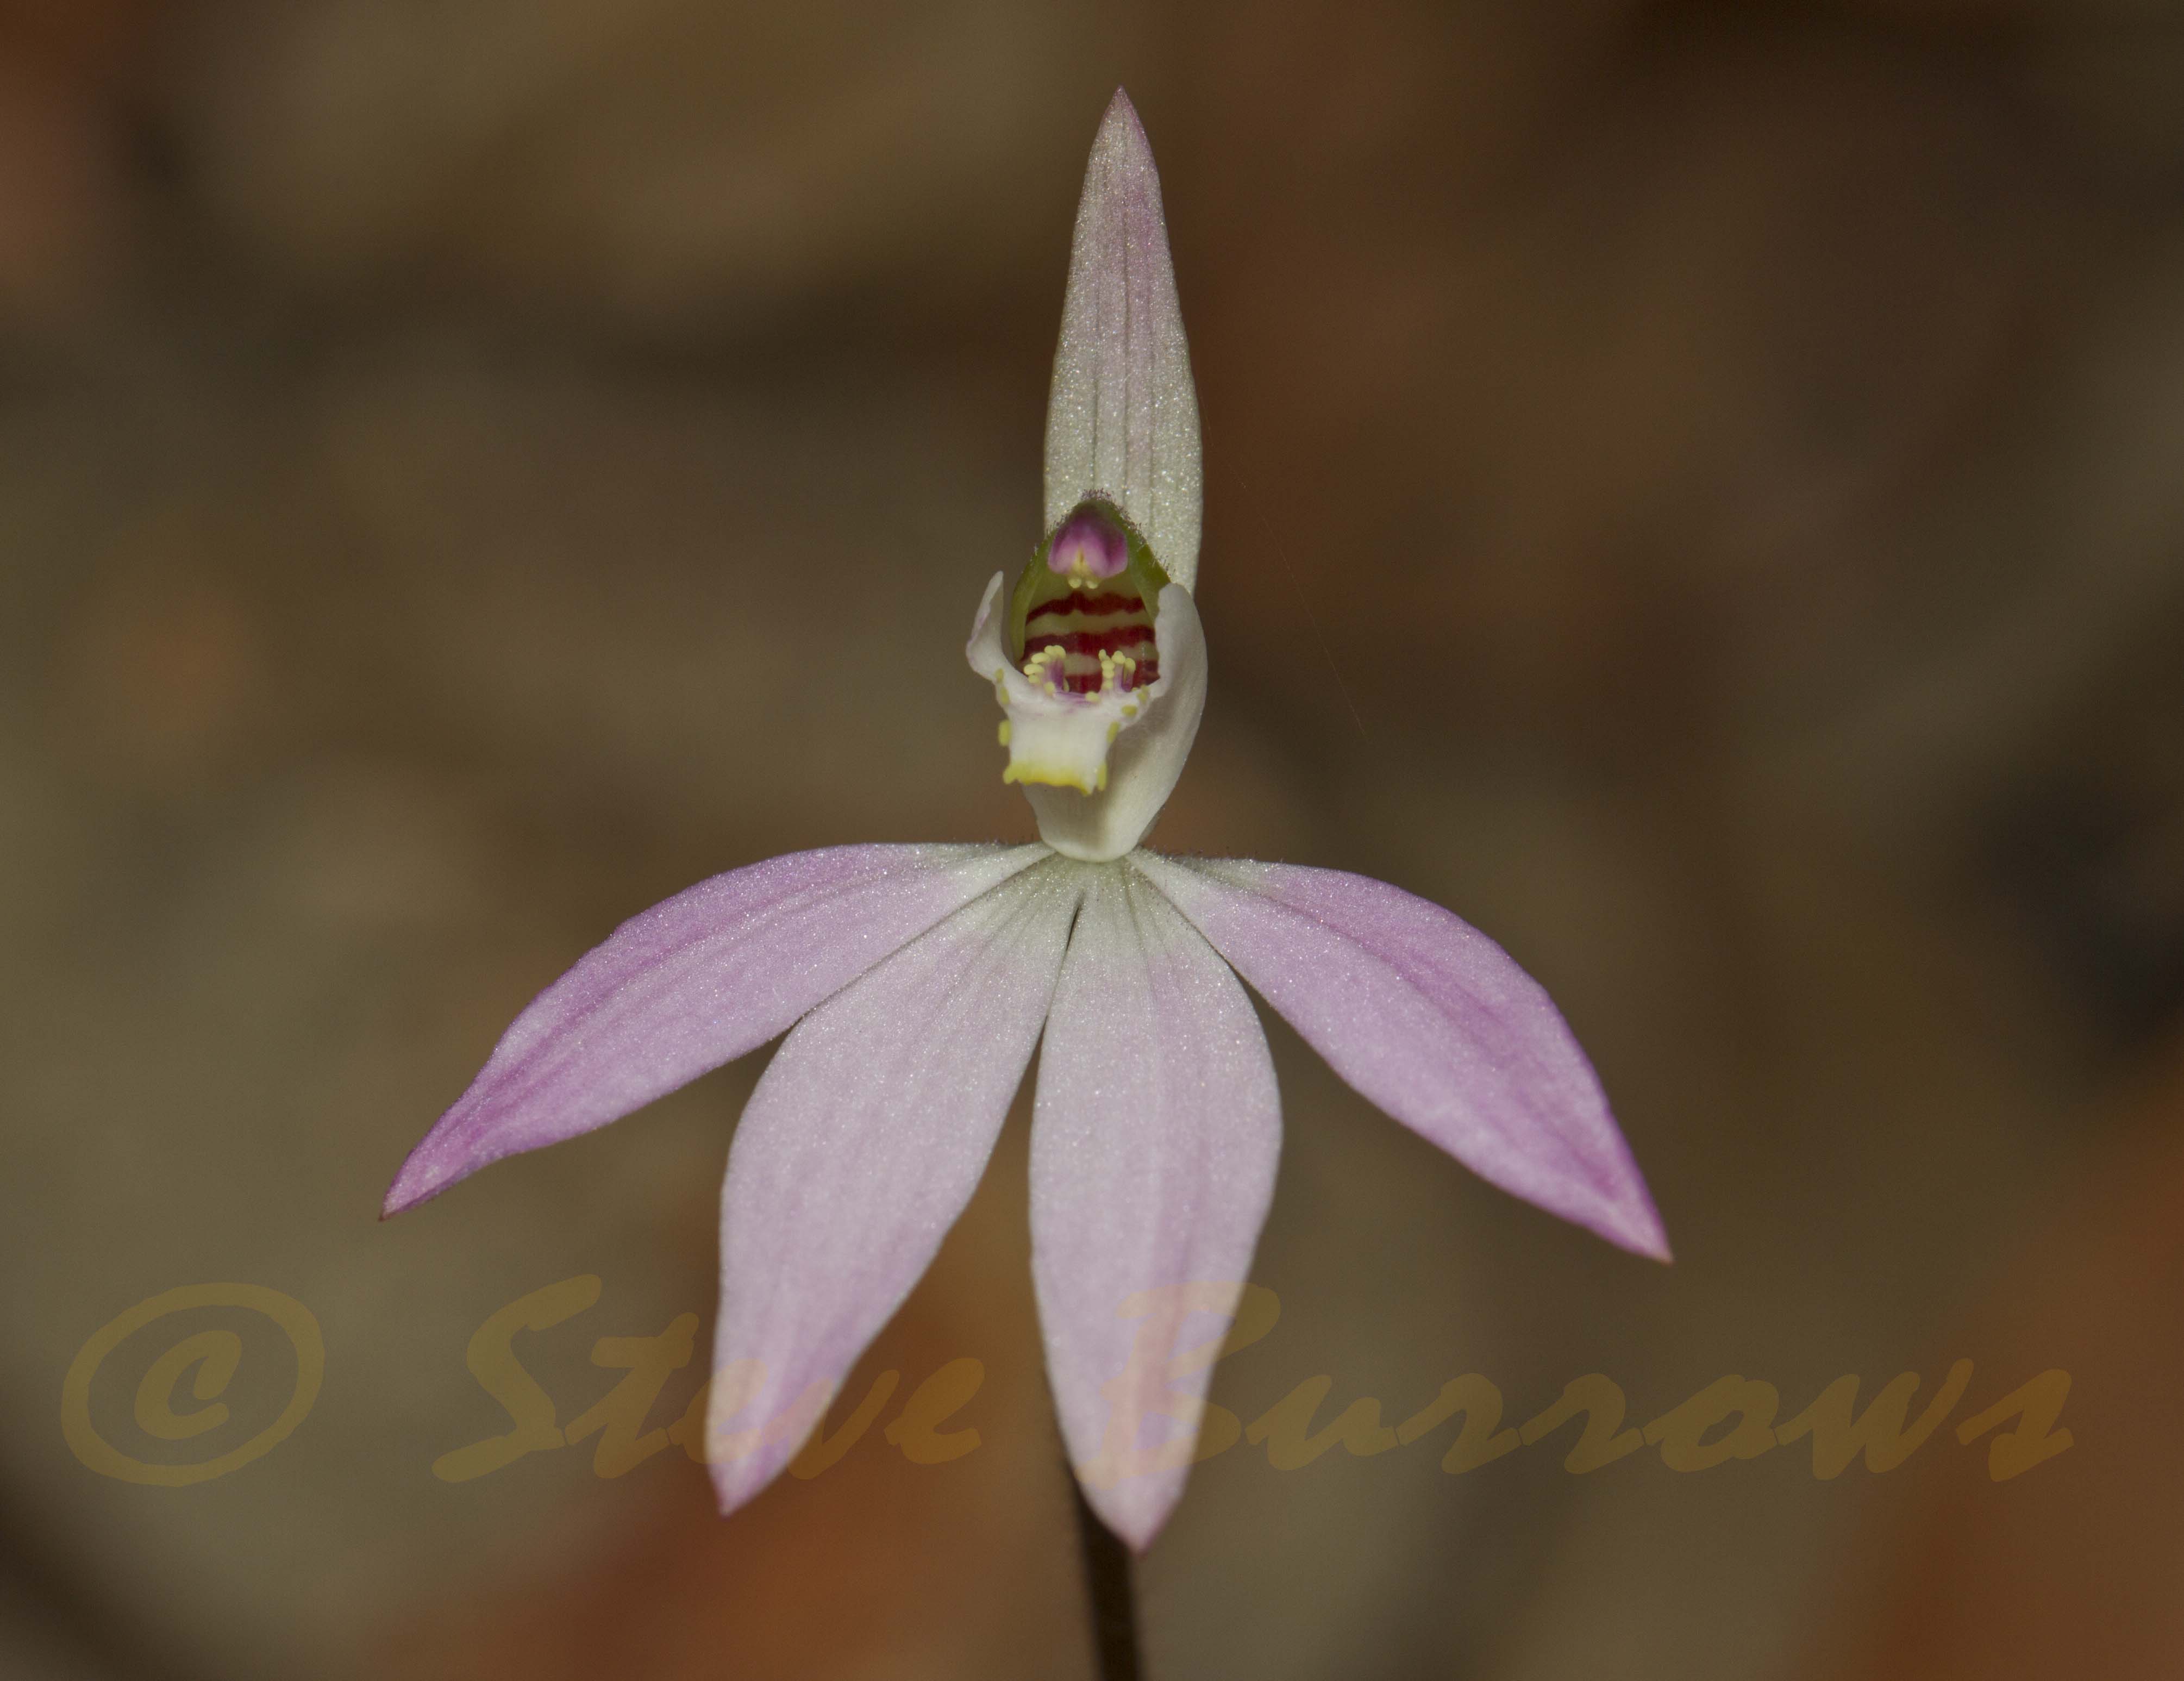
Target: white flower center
[(1098, 662)]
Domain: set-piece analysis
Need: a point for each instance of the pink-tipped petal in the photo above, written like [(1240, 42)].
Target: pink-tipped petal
[(865, 1138), (1432, 1021), (692, 983), (1121, 418), (1152, 1163)]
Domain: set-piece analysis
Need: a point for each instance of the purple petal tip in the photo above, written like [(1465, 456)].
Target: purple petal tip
[(423, 1176), (1648, 1239), (401, 1197), (1624, 1215)]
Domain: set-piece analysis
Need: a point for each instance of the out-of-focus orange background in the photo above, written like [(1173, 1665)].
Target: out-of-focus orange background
[(1697, 489)]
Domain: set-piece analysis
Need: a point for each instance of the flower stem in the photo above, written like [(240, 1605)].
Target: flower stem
[(1114, 1599)]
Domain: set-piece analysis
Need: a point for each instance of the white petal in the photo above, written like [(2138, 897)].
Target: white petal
[(861, 1146), (1122, 420), (1152, 1163)]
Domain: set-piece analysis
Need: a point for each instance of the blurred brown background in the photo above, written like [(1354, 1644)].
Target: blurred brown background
[(1697, 489)]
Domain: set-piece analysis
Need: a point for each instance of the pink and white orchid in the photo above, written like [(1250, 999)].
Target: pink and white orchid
[(914, 982)]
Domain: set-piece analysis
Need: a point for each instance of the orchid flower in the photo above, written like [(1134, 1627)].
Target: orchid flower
[(915, 981)]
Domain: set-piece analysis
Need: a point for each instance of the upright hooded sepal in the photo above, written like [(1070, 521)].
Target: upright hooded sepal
[(1121, 421)]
